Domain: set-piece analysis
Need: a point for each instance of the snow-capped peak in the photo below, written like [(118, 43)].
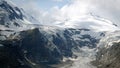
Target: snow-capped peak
[(11, 16), (90, 22)]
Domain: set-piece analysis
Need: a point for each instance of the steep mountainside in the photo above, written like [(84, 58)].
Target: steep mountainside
[(26, 45), (108, 58), (13, 17), (51, 47), (108, 51)]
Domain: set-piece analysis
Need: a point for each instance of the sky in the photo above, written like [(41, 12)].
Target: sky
[(42, 4), (60, 12)]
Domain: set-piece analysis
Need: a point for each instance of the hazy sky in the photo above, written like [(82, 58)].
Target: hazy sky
[(42, 4)]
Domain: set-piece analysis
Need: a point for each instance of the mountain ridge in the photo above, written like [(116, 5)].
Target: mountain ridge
[(31, 45)]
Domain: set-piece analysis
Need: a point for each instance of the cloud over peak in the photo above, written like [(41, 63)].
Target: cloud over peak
[(77, 11)]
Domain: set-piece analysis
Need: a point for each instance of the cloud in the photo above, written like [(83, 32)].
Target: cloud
[(108, 9), (79, 9), (32, 8), (74, 10)]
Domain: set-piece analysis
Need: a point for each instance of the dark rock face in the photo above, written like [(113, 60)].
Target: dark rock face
[(37, 48), (109, 58), (10, 57), (6, 58), (28, 49)]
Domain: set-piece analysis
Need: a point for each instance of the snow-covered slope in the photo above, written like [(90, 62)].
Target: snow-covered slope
[(13, 17), (90, 22), (109, 39)]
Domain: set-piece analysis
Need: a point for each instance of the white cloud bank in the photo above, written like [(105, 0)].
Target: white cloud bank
[(78, 12), (108, 9)]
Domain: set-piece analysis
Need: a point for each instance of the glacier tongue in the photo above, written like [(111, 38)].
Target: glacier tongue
[(85, 56)]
